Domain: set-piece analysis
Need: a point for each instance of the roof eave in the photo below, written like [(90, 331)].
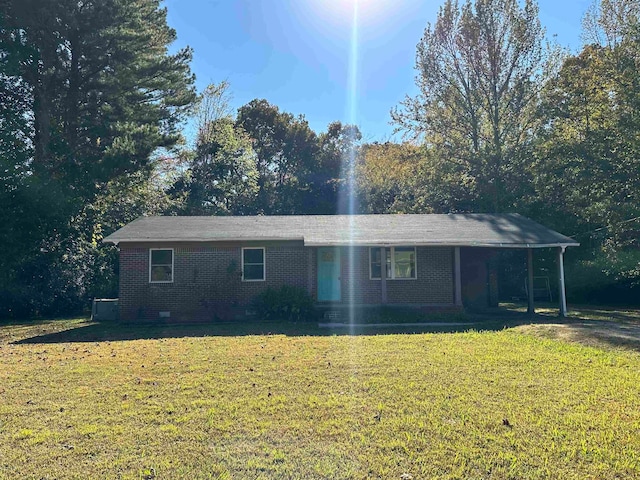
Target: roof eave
[(345, 243), (442, 244), (115, 241)]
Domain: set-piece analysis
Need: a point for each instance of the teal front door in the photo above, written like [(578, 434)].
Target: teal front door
[(329, 275)]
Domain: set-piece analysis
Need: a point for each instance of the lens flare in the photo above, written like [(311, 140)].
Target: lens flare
[(340, 12), (348, 164)]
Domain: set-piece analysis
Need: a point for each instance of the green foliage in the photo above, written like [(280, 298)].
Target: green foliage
[(286, 150), (329, 181), (222, 179), (265, 161), (221, 174), (586, 167), (406, 178), (104, 91), (610, 22), (92, 93), (605, 277), (480, 67), (386, 175), (587, 158), (285, 303)]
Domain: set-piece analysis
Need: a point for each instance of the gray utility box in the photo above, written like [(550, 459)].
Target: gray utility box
[(104, 309)]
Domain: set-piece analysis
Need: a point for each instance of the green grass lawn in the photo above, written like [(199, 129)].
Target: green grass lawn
[(108, 401)]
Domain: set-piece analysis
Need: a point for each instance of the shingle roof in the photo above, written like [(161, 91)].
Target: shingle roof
[(483, 230)]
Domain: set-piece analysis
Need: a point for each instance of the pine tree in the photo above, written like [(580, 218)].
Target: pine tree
[(90, 92)]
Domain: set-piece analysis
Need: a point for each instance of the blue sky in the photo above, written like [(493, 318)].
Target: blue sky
[(299, 54)]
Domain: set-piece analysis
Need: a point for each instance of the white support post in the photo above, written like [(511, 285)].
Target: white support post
[(562, 297), (530, 306), (383, 274), (458, 276)]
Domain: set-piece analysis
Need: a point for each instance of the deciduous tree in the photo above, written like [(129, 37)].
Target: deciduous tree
[(480, 67), (223, 177), (338, 149), (286, 150)]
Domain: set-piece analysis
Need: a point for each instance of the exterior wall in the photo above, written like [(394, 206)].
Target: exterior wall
[(433, 285), (206, 280), (207, 283)]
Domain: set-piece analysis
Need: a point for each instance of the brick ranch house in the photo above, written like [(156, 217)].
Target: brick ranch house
[(203, 268)]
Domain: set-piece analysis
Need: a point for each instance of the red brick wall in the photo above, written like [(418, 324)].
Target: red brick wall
[(205, 284), (433, 285), (205, 287)]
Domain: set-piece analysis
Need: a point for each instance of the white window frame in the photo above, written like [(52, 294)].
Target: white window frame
[(383, 263), (173, 261), (264, 264)]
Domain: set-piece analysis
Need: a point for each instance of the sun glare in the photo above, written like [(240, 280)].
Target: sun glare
[(341, 11)]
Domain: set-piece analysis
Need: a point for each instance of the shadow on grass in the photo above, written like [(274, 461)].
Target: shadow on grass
[(100, 332), (626, 316), (620, 314), (590, 327), (600, 326), (591, 333)]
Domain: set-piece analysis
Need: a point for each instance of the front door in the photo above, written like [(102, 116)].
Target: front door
[(329, 275)]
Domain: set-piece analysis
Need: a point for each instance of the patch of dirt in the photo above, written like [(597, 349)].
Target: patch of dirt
[(592, 333)]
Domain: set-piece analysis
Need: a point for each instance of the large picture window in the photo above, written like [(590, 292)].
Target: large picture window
[(253, 264), (400, 263), (161, 265)]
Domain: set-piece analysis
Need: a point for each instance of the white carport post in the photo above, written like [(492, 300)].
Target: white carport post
[(562, 296), (458, 278), (530, 307)]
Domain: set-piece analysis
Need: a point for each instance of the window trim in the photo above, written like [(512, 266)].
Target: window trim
[(173, 261), (383, 263), (264, 264)]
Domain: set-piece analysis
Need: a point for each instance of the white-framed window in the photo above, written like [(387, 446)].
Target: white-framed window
[(161, 265), (253, 264), (400, 263), (375, 263)]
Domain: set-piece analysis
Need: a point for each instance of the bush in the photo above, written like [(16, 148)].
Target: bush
[(611, 278), (285, 303)]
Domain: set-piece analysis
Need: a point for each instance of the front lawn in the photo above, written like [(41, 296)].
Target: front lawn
[(106, 401)]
